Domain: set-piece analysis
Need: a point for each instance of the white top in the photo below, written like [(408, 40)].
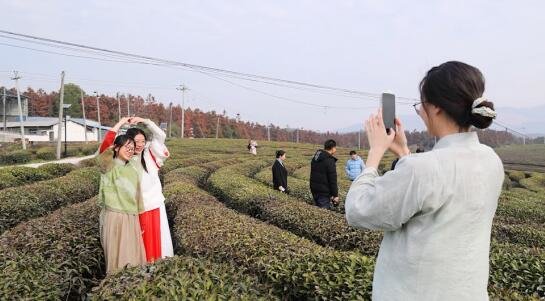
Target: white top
[(436, 209), (152, 190)]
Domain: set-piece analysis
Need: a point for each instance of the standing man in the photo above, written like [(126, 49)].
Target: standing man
[(323, 176), (354, 166), (279, 172)]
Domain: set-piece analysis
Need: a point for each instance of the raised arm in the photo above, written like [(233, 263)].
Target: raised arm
[(158, 134), (157, 147), (110, 135)]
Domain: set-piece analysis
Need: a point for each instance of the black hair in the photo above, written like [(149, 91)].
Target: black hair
[(280, 153), (121, 140), (330, 144), (353, 152), (133, 132), (453, 86)]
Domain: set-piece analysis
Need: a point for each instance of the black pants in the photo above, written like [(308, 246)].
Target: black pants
[(322, 201)]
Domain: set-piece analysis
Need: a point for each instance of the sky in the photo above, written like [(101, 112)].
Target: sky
[(371, 46)]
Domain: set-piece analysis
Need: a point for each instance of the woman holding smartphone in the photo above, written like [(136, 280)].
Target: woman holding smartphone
[(436, 208)]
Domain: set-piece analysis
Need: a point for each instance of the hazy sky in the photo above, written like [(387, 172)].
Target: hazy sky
[(370, 46)]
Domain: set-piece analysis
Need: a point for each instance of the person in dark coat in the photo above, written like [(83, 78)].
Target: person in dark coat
[(323, 176), (279, 172)]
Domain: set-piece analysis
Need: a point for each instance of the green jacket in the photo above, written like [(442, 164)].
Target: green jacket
[(119, 184)]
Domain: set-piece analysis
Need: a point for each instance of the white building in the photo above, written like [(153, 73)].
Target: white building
[(45, 129)]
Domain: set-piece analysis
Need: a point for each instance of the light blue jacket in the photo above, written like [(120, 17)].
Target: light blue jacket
[(354, 168)]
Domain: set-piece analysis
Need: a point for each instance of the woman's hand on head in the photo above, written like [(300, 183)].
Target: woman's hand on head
[(120, 123), (136, 120)]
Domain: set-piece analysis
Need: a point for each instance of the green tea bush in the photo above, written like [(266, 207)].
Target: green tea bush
[(182, 278), (296, 268), (57, 169), (18, 204), (322, 226), (56, 257), (15, 157), (45, 153)]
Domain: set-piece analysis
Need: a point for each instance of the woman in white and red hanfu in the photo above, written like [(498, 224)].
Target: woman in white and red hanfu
[(149, 156)]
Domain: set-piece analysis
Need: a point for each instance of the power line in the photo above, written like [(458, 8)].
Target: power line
[(186, 65), (209, 71)]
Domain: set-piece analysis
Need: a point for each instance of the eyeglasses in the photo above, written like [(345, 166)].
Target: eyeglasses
[(130, 149), (418, 107)]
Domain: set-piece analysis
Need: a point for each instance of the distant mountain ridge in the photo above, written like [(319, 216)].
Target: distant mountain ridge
[(530, 121)]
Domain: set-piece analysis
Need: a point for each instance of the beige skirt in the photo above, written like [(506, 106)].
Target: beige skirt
[(121, 240)]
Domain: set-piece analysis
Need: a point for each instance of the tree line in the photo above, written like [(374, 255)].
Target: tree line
[(200, 124)]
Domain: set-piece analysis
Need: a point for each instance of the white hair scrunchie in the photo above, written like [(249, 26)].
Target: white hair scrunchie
[(483, 111)]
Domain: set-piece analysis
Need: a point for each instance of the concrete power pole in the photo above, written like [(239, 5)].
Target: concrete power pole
[(16, 79), (84, 119), (61, 108), (99, 134), (118, 106), (269, 132), (359, 139), (217, 127), (128, 105), (183, 89), (170, 122), (4, 104)]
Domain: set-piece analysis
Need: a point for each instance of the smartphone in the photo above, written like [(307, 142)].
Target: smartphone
[(389, 110)]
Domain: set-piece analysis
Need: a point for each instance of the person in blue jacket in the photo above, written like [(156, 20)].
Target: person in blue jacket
[(354, 166)]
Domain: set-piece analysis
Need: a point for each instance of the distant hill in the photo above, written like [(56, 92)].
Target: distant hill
[(526, 120)]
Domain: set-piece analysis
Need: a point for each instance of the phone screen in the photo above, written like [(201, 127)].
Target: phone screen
[(388, 110)]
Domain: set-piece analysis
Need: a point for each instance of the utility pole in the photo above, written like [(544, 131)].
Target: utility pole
[(61, 108), (128, 105), (4, 104), (217, 127), (118, 106), (359, 139), (183, 89), (98, 115), (16, 78), (170, 122), (269, 132), (297, 139), (84, 119)]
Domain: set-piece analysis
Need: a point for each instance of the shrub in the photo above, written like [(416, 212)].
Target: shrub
[(516, 175), (45, 153), (18, 204), (519, 234), (535, 182), (56, 257), (19, 175), (88, 149), (8, 180), (296, 268), (15, 157), (88, 162), (57, 169), (516, 268), (522, 206), (181, 278), (322, 226)]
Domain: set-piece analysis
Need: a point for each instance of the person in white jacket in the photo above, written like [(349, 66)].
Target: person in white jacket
[(150, 155), (435, 208)]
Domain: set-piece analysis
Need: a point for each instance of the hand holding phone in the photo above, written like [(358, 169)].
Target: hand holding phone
[(389, 111)]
